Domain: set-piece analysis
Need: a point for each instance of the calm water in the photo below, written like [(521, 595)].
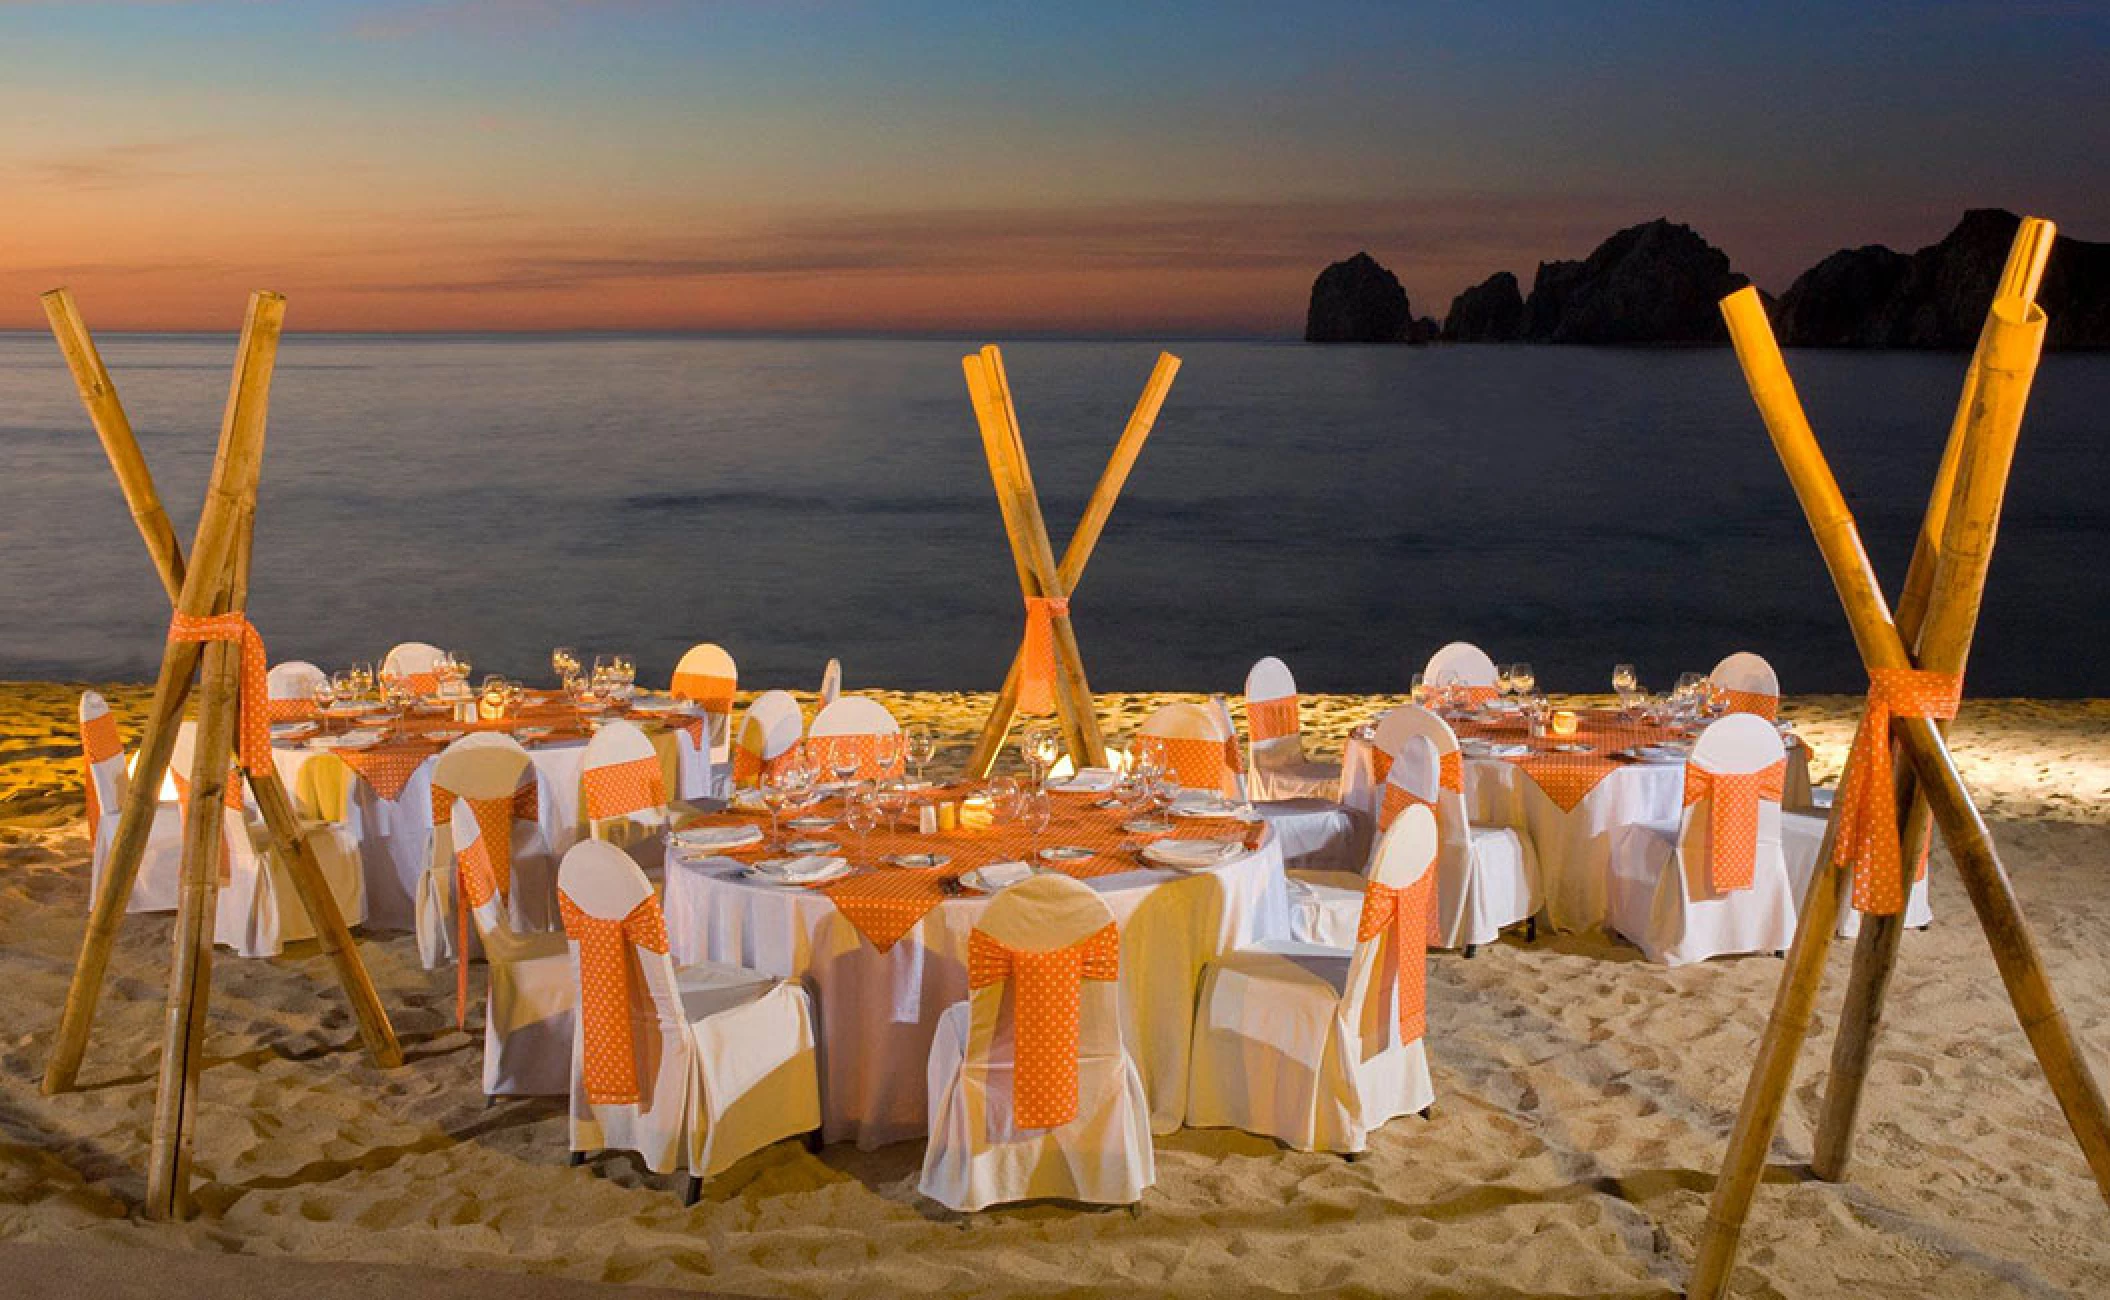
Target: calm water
[(1348, 509)]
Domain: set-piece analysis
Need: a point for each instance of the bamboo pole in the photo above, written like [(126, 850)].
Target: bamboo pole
[(1970, 843), (231, 488), (1876, 952), (1079, 552), (114, 429)]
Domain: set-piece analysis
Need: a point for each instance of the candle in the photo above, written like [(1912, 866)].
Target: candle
[(1565, 722)]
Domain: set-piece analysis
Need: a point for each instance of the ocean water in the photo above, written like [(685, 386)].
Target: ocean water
[(1346, 508)]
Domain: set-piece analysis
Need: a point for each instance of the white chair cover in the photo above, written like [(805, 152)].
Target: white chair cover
[(295, 679), (1461, 663), (1661, 895), (1200, 746), (258, 912), (1746, 672), (977, 1154), (531, 998), (1753, 687), (413, 659), (772, 727), (1303, 1044), (638, 828), (160, 876), (721, 1061), (1325, 906), (831, 682), (1801, 836), (838, 727), (1276, 766), (708, 675)]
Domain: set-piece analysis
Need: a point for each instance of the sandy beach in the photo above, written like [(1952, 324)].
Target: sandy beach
[(1583, 1099)]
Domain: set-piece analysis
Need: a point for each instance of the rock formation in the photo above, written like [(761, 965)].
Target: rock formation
[(1653, 283), (1489, 312), (1358, 301)]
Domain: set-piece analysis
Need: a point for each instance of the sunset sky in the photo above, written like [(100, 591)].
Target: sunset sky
[(1076, 167)]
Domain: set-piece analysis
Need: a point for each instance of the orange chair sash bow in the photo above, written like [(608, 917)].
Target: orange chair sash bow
[(619, 789), (1758, 702), (1036, 680), (1396, 800), (1273, 719), (422, 683), (1197, 762), (1410, 914), (99, 744), (483, 870), (1046, 991), (1867, 842), (608, 1036), (254, 735), (1732, 818)]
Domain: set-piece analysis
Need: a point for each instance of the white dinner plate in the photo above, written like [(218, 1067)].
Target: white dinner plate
[(1066, 853), (920, 861)]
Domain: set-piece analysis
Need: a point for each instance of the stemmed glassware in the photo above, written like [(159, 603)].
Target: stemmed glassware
[(893, 801), (1526, 681), (564, 662), (363, 678), (1506, 680), (886, 752), (1625, 685), (1040, 746), (861, 814), (785, 786), (844, 764), (919, 745), (1035, 811), (624, 670), (346, 685)]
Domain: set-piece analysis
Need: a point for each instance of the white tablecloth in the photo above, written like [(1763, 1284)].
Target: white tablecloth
[(878, 1011), (395, 835)]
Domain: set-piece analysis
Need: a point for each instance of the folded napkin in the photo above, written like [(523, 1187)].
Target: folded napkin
[(997, 875), (704, 839), (802, 870), (1089, 780), (1192, 854)]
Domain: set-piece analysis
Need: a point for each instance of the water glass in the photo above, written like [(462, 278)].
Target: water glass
[(886, 751), (920, 745), (861, 814), (1035, 811), (1526, 680)]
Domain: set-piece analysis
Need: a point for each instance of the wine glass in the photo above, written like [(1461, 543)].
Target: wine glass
[(363, 677), (893, 801), (1041, 746), (886, 752), (844, 761), (1035, 811), (624, 669), (346, 685), (861, 814), (564, 662), (776, 792), (323, 692), (1003, 798), (920, 745), (1526, 680), (1506, 679)]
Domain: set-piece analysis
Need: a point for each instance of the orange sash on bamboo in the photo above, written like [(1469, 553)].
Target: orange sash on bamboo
[(1758, 702), (1410, 913), (619, 789), (99, 744), (1867, 841), (1046, 988), (254, 734), (827, 752), (608, 1036), (483, 870), (1036, 678), (1732, 818), (1273, 719)]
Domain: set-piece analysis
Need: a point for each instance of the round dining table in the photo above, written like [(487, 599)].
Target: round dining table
[(884, 953)]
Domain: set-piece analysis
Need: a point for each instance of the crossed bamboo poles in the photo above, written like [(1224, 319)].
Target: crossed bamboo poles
[(1932, 630), (1027, 530), (215, 581)]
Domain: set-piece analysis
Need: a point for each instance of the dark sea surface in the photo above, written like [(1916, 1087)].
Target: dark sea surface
[(1346, 508)]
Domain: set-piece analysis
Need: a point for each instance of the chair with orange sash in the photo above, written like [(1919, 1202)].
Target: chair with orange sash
[(855, 729), (1033, 1094), (1196, 746), (1746, 683), (291, 687), (258, 912), (625, 793), (1325, 907), (692, 1069), (708, 678), (1276, 766), (1464, 669), (771, 731), (105, 780), (1802, 835), (506, 897), (434, 904), (1317, 1047), (417, 663), (1714, 882), (1487, 877)]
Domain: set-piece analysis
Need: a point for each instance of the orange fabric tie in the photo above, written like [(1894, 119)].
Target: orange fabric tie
[(254, 736), (619, 789), (1450, 772), (607, 1035), (422, 683), (714, 694), (1397, 799), (1046, 990), (1273, 719), (1867, 804), (99, 744), (1758, 702), (1198, 763), (1036, 682), (1478, 695), (1732, 818), (1410, 915), (481, 871)]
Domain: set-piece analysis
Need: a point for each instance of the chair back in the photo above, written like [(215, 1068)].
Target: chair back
[(768, 735), (416, 663), (1396, 731), (1461, 663), (102, 760), (831, 682), (1043, 965), (631, 1046), (290, 688), (1385, 998), (1732, 803), (482, 785), (625, 788), (1749, 683), (708, 677), (1199, 749), (849, 730)]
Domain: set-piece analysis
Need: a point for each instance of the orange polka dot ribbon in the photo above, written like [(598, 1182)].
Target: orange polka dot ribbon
[(607, 968), (254, 736), (751, 769), (619, 789), (1273, 719), (1196, 762), (483, 869), (1045, 995), (1450, 771), (422, 683), (1866, 806), (1036, 681), (1758, 702), (1396, 800), (289, 710), (1475, 696), (711, 693), (1409, 914), (1380, 765), (1732, 818), (830, 752), (99, 744)]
